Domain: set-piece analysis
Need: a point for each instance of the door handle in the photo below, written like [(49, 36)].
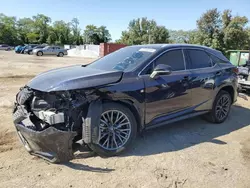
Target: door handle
[(218, 73), (186, 78)]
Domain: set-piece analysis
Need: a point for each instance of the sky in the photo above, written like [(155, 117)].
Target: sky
[(116, 14)]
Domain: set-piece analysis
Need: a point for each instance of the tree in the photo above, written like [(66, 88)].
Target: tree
[(59, 32), (144, 31), (26, 32), (222, 31), (181, 36), (8, 30), (235, 34), (209, 27), (89, 34), (96, 35), (103, 33), (41, 25), (76, 30), (81, 41)]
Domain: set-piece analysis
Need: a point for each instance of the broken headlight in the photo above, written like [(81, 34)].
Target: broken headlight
[(46, 112), (38, 104)]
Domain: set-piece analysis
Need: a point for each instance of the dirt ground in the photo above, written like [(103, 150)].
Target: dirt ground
[(191, 153)]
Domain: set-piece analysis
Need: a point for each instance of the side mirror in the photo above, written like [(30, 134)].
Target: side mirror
[(161, 69)]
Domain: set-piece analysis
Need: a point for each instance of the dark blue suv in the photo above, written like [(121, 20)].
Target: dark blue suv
[(106, 103)]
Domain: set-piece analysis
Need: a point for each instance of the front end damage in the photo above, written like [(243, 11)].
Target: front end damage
[(48, 123)]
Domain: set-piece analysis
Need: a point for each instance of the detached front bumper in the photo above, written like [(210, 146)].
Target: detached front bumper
[(51, 144)]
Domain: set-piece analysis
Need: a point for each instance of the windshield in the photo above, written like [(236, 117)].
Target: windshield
[(125, 59)]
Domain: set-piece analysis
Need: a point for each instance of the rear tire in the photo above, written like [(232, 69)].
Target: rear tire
[(39, 53), (221, 108), (114, 133), (60, 54)]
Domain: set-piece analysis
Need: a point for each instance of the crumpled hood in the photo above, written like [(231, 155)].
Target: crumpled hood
[(73, 77)]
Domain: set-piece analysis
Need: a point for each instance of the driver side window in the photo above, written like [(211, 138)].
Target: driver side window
[(173, 58)]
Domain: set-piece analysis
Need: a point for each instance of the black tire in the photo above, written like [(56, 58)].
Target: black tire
[(60, 54), (108, 153), (212, 116), (39, 53)]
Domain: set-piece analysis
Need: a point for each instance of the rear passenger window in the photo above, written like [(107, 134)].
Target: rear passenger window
[(172, 58), (216, 59), (199, 59)]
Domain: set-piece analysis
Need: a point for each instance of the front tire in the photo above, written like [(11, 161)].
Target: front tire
[(221, 108), (117, 130)]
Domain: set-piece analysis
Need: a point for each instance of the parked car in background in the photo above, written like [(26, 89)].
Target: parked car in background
[(50, 50), (107, 102), (30, 49), (19, 48), (5, 47), (28, 46)]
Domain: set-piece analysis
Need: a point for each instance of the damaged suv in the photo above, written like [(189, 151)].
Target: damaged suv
[(106, 103)]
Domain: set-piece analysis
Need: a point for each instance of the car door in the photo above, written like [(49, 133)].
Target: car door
[(204, 75), (167, 94), (55, 50)]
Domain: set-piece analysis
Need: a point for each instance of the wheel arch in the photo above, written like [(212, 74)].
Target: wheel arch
[(230, 89), (131, 106), (38, 52)]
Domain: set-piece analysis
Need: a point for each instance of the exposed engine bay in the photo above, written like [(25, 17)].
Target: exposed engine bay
[(48, 123)]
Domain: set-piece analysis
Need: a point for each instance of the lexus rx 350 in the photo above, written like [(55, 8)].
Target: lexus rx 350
[(106, 103)]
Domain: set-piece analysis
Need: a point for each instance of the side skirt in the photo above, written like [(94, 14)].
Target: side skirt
[(176, 119)]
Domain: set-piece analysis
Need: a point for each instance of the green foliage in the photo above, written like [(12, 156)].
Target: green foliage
[(181, 36), (96, 35), (144, 31), (40, 29), (8, 29), (221, 31)]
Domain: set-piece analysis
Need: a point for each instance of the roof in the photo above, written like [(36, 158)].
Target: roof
[(158, 46)]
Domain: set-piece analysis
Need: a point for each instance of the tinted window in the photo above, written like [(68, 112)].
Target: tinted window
[(216, 60), (173, 58), (199, 59)]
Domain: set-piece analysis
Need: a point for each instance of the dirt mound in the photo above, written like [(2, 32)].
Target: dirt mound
[(8, 140)]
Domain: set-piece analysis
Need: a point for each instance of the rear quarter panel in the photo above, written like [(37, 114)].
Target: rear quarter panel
[(228, 78)]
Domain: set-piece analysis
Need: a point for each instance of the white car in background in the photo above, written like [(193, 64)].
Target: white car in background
[(50, 50), (5, 47)]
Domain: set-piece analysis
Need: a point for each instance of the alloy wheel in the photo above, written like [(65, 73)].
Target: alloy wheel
[(223, 107), (114, 130)]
